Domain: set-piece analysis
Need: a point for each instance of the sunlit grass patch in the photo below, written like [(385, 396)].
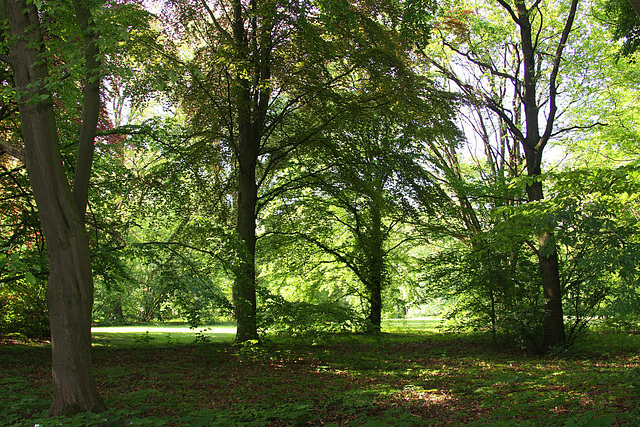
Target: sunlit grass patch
[(418, 324), (161, 334)]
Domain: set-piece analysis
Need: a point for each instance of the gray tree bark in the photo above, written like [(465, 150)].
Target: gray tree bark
[(251, 104), (70, 284), (375, 267)]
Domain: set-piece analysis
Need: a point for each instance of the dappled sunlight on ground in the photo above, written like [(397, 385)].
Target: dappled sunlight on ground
[(165, 375)]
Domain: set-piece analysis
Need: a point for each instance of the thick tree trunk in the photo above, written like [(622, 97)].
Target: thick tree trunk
[(248, 146), (376, 270), (70, 300), (375, 309), (70, 287), (554, 333), (244, 290), (533, 146)]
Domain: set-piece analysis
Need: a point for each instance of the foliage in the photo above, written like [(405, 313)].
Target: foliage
[(159, 253), (491, 282), (362, 179), (489, 286), (23, 263), (162, 283), (21, 233), (488, 272), (23, 309), (351, 198), (304, 319), (624, 24), (597, 222)]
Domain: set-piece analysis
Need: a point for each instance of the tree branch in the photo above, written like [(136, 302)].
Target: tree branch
[(553, 88), (221, 30), (12, 150), (90, 110), (482, 65), (508, 8), (577, 127)]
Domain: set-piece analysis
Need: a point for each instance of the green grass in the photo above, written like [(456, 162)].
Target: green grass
[(401, 378), (419, 324), (162, 334)]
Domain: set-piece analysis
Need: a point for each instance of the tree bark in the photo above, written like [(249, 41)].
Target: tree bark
[(533, 146), (375, 267), (248, 147), (554, 333), (244, 290), (90, 108), (636, 6), (70, 285), (375, 309)]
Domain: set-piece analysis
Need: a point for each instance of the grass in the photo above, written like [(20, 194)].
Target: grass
[(417, 324), (162, 334), (403, 377), (180, 333)]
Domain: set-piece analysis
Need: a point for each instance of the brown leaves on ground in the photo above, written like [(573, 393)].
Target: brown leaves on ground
[(428, 379)]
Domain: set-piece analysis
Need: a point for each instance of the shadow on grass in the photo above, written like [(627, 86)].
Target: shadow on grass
[(400, 379)]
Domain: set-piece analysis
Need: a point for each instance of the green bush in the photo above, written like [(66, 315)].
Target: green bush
[(299, 318), (492, 289), (23, 308)]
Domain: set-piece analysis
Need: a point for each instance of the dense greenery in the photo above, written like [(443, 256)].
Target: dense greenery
[(308, 168), (161, 208)]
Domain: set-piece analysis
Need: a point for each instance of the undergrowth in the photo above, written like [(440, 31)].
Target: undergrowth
[(399, 379)]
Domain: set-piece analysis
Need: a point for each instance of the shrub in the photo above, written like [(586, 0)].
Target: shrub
[(23, 308), (299, 318)]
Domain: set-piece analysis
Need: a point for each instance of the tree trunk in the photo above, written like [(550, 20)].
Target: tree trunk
[(244, 290), (248, 146), (376, 267), (90, 108), (554, 333), (70, 286), (533, 147), (70, 300), (375, 309)]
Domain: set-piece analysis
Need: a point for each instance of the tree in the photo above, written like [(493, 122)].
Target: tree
[(531, 119), (256, 66), (61, 206), (362, 187)]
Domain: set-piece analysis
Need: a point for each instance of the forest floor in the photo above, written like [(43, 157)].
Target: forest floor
[(401, 378)]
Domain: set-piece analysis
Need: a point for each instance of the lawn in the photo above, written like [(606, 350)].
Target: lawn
[(161, 334), (409, 375)]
